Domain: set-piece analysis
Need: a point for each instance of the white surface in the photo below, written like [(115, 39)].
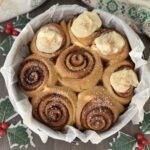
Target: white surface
[(24, 108), (12, 8)]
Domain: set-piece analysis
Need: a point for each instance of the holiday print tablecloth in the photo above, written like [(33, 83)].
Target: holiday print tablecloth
[(12, 8), (20, 136), (135, 12)]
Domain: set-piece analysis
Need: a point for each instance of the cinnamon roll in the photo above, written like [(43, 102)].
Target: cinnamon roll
[(50, 40), (84, 28), (79, 68), (35, 73), (120, 80), (55, 106), (97, 110), (111, 46)]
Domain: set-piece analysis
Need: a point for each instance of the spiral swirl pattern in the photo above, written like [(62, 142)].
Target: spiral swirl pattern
[(32, 74), (97, 110), (78, 66), (35, 73), (55, 107), (80, 62), (53, 111), (96, 117)]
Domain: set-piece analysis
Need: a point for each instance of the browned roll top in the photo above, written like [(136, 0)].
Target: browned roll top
[(32, 74), (52, 111), (96, 116), (79, 61), (35, 74), (96, 109), (79, 68), (55, 106)]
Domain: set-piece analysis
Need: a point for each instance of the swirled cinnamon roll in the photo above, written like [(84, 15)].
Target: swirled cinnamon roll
[(111, 46), (120, 80), (96, 109), (35, 73), (79, 68), (50, 40), (84, 28), (55, 106)]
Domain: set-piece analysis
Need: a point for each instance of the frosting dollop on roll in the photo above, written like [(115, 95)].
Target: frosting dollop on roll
[(48, 40), (85, 24), (122, 80), (110, 43)]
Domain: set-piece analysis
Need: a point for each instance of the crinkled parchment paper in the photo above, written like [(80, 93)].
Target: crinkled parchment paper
[(20, 50)]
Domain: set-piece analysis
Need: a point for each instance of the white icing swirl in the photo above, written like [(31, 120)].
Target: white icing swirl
[(122, 80), (48, 40), (110, 43), (85, 24)]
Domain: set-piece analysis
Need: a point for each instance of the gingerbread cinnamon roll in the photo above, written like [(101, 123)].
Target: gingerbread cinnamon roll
[(111, 46), (50, 40), (35, 73), (55, 106), (79, 68), (120, 80), (97, 110), (84, 28)]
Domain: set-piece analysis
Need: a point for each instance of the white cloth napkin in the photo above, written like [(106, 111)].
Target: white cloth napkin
[(12, 8)]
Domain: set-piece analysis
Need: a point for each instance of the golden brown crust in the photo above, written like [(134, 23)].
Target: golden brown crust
[(65, 29), (35, 73), (79, 68), (55, 106), (62, 29), (82, 42), (116, 57), (78, 71), (123, 98), (96, 109)]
